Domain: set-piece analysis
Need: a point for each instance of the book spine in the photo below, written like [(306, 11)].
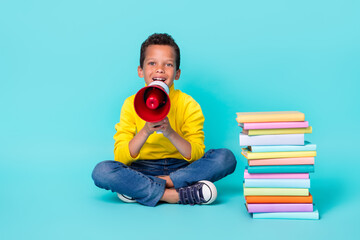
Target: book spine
[(279, 199), (284, 148), (282, 161), (253, 132), (267, 155), (314, 215), (276, 191), (281, 207), (281, 169), (292, 116), (277, 183), (275, 175), (284, 139), (274, 125)]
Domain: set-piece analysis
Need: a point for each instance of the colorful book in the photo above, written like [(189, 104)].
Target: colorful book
[(254, 132), (275, 175), (281, 139), (283, 148), (274, 125), (314, 215), (265, 155), (284, 116), (276, 191), (279, 199), (279, 207), (281, 169), (277, 183), (282, 161)]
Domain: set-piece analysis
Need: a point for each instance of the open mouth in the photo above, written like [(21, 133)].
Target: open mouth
[(159, 79)]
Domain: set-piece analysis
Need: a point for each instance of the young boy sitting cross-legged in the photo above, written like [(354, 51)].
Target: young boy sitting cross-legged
[(171, 167)]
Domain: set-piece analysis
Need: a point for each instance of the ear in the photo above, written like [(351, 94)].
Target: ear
[(140, 72), (177, 75)]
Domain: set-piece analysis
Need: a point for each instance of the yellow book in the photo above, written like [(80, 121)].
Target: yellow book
[(265, 155), (276, 191), (284, 116), (251, 132)]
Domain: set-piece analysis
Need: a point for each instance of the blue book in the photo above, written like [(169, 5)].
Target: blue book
[(314, 215), (277, 183), (281, 169), (284, 148)]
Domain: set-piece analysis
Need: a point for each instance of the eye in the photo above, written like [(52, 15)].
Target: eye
[(151, 63), (169, 65)]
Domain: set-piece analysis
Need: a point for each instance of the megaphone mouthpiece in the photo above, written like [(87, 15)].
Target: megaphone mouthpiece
[(152, 103)]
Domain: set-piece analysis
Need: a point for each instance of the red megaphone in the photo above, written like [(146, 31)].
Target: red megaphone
[(152, 103)]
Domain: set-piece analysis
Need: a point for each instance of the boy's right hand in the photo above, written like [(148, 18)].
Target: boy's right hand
[(139, 139)]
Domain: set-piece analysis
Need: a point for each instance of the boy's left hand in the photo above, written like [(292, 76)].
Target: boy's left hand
[(165, 127)]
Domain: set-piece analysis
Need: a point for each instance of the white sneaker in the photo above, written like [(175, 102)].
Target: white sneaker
[(202, 192), (125, 198)]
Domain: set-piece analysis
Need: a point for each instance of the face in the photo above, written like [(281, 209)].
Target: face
[(159, 65)]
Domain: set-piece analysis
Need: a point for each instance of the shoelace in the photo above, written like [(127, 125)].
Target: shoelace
[(191, 194)]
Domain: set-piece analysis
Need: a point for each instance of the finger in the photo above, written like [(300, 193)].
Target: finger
[(157, 127), (154, 124)]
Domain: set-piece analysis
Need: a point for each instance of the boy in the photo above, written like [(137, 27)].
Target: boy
[(171, 167)]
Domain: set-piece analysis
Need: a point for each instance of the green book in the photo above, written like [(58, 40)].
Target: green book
[(266, 155), (251, 132), (276, 191)]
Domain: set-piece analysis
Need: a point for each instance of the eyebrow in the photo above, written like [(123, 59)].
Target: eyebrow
[(169, 59)]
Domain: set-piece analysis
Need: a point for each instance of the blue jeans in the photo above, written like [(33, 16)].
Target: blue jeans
[(140, 182)]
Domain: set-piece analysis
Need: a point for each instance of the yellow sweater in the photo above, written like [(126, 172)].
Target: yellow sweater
[(185, 117)]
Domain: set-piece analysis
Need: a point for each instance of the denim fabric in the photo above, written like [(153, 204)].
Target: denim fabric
[(140, 182)]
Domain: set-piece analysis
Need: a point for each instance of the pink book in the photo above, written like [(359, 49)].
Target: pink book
[(282, 161), (276, 175), (272, 125), (279, 207)]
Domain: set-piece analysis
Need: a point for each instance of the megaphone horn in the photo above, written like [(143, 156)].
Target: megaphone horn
[(152, 103)]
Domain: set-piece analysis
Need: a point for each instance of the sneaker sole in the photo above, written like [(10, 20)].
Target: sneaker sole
[(125, 198), (213, 191)]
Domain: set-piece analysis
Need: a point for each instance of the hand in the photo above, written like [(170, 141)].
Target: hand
[(166, 128), (163, 126), (182, 145)]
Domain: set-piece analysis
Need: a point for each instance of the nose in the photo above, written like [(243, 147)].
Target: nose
[(160, 69)]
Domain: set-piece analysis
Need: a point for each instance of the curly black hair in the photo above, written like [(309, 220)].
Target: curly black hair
[(160, 39)]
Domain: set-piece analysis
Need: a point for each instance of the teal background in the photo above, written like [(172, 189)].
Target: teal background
[(67, 66)]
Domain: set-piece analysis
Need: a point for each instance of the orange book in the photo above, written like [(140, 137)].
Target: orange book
[(279, 199)]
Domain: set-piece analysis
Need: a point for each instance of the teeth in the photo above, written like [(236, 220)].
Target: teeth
[(159, 79)]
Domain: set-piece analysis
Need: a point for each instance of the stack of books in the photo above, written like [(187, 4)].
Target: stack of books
[(276, 180)]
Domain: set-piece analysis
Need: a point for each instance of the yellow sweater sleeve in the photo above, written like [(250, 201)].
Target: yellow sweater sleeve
[(125, 131), (192, 128)]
